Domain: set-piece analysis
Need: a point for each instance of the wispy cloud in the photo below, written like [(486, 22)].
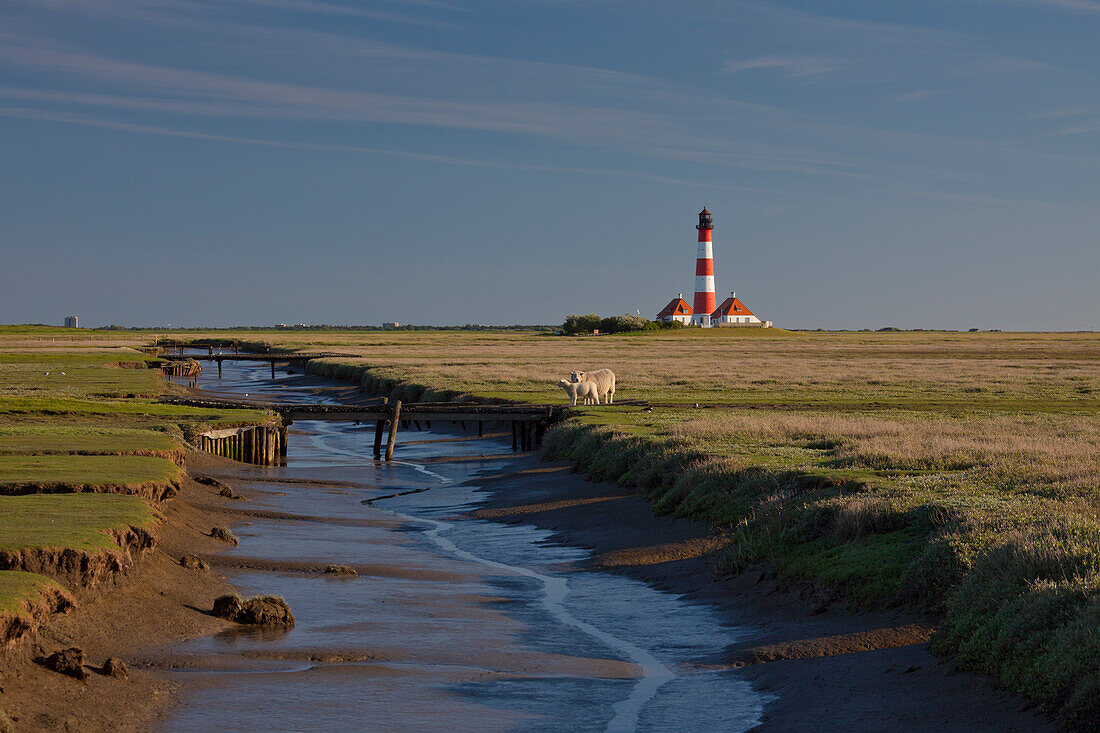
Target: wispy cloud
[(86, 121), (322, 76), (914, 96), (1076, 6), (154, 10), (793, 66)]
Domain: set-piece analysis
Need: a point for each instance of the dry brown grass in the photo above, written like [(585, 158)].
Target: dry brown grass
[(719, 366), (1048, 453)]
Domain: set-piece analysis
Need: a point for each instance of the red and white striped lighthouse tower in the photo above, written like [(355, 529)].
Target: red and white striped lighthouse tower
[(704, 273)]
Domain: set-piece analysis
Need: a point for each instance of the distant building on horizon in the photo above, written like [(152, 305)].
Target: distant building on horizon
[(70, 322), (705, 314)]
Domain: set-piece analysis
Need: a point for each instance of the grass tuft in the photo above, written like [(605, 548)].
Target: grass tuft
[(225, 535)]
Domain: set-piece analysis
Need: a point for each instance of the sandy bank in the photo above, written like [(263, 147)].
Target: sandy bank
[(831, 667), (129, 615)]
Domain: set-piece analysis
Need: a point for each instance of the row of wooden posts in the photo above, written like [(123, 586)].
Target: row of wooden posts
[(526, 434), (181, 368), (264, 445)]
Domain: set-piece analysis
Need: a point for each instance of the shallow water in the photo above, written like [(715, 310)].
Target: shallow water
[(455, 623)]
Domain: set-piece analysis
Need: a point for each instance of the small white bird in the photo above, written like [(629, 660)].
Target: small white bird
[(47, 374), (62, 373)]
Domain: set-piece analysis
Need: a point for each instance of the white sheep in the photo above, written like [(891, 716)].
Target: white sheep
[(604, 379), (582, 390)]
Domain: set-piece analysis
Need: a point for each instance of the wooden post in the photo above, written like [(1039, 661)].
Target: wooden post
[(282, 441), (515, 434), (395, 419), (219, 368), (480, 428), (272, 368), (378, 425)]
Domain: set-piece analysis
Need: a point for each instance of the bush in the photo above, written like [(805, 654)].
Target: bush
[(575, 324), (626, 323)]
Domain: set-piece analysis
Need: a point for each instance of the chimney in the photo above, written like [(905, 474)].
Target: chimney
[(681, 296)]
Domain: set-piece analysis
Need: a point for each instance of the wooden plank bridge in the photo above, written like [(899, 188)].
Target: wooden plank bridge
[(272, 358), (528, 422)]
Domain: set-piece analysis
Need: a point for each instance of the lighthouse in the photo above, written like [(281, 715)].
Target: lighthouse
[(704, 273)]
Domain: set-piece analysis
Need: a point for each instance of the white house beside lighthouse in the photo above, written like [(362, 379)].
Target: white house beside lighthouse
[(733, 312), (677, 310)]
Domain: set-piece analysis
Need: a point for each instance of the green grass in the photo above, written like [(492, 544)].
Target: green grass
[(52, 439), (952, 473), (85, 471), (106, 372), (18, 588), (82, 522), (136, 410), (80, 427), (40, 330)]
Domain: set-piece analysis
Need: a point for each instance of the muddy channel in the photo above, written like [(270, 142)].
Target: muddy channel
[(453, 622)]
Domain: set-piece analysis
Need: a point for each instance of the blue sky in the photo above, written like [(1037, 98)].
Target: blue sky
[(919, 164)]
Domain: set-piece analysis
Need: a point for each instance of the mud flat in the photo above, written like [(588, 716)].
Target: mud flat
[(827, 667), (126, 607)]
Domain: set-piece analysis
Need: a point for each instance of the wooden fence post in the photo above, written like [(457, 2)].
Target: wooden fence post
[(378, 425), (395, 420)]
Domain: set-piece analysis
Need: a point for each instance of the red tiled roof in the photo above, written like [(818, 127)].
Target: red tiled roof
[(731, 307), (676, 307)]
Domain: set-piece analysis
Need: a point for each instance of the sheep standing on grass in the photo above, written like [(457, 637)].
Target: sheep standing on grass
[(604, 379), (583, 390)]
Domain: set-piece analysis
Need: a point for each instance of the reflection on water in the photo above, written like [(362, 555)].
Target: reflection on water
[(455, 623)]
